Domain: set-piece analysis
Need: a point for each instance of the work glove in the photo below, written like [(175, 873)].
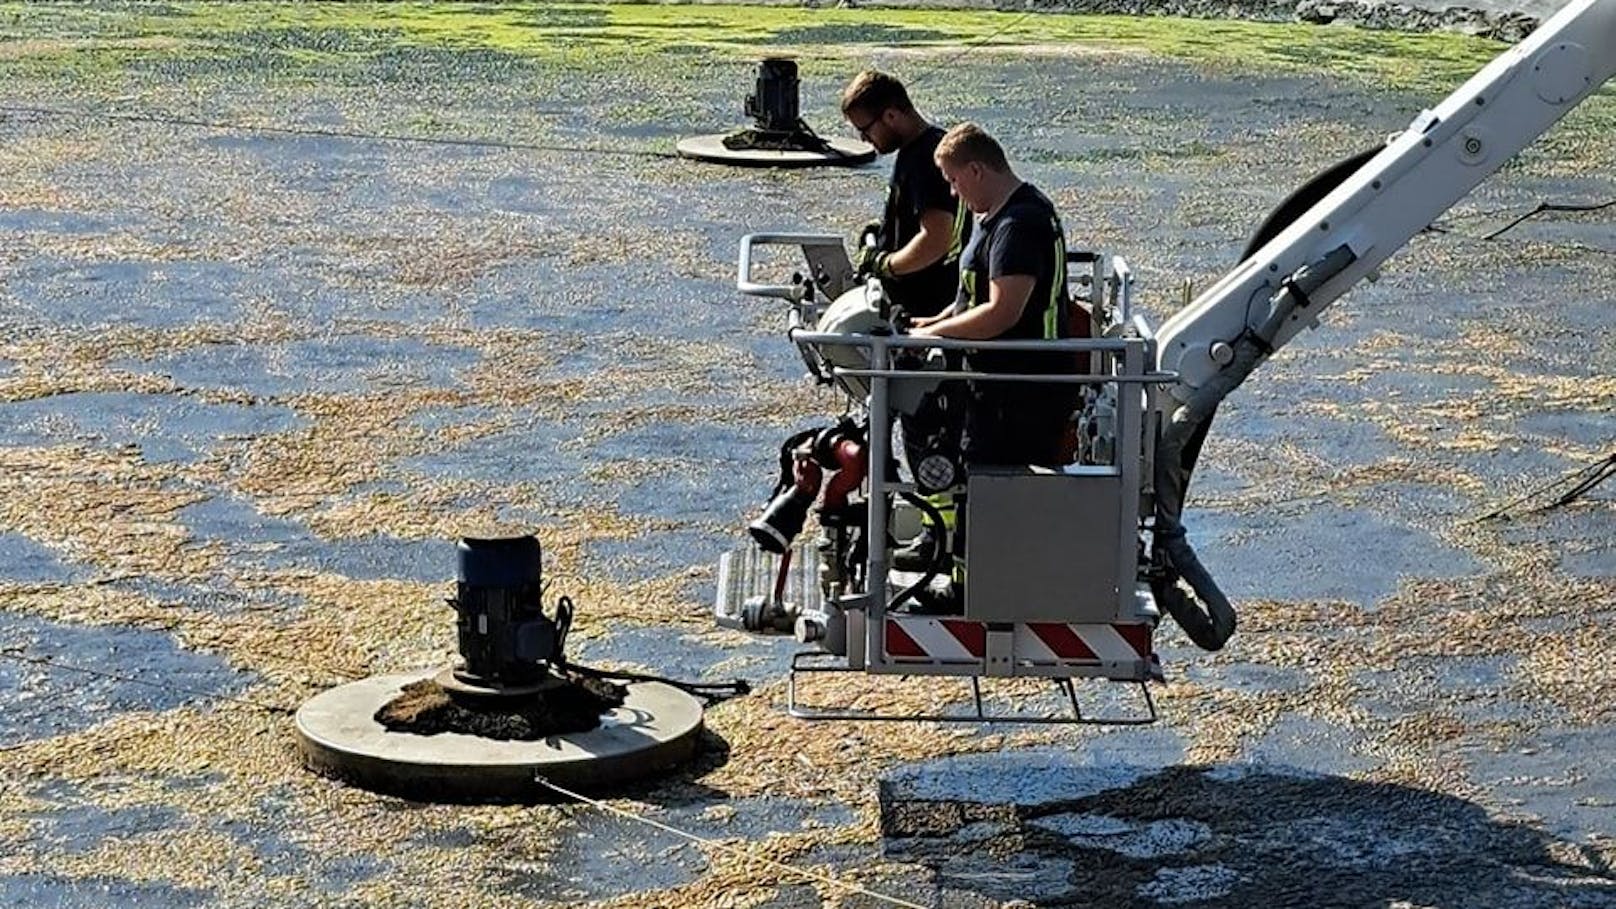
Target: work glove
[(874, 263)]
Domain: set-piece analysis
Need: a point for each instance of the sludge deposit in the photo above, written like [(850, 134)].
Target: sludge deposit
[(263, 362)]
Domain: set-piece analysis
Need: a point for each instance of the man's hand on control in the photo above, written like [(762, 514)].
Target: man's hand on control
[(922, 326), (874, 263)]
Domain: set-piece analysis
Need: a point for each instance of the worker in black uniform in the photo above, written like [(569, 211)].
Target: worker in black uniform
[(913, 250), (1012, 286), (921, 232)]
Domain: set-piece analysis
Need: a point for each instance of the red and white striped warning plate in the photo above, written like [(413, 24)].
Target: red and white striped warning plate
[(960, 641)]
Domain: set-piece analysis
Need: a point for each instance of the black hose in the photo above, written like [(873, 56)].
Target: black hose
[(563, 623), (939, 533), (787, 450), (1205, 614), (710, 692)]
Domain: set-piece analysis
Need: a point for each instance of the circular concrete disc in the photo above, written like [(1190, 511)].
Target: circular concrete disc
[(657, 727), (848, 153)]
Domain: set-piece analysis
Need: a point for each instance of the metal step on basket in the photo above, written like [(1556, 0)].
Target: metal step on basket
[(754, 594)]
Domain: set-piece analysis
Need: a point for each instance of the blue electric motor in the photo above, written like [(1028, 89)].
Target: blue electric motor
[(505, 637)]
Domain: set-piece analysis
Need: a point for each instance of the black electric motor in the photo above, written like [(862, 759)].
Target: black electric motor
[(775, 104), (777, 118), (505, 637)]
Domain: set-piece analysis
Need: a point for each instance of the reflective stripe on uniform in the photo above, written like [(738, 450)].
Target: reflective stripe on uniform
[(1053, 309), (1052, 312), (956, 241)]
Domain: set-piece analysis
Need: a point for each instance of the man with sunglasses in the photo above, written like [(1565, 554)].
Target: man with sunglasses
[(918, 240)]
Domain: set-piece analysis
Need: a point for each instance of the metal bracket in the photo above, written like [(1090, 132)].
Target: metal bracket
[(810, 662)]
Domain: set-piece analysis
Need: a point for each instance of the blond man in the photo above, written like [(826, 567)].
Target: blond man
[(1012, 286)]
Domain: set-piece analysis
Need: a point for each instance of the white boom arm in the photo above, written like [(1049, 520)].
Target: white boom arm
[(1283, 287), (1421, 173)]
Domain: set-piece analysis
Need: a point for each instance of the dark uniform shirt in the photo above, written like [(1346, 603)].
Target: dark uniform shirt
[(917, 185), (1019, 423), (1024, 237)]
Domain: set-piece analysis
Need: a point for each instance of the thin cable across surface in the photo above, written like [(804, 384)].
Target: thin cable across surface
[(724, 847)]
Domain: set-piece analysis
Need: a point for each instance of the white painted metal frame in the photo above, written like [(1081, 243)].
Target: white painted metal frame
[(1421, 173), (1011, 651)]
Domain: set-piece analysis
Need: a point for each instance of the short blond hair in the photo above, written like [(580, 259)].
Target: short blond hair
[(968, 143)]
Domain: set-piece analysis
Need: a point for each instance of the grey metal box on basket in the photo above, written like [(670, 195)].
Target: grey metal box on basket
[(1041, 545)]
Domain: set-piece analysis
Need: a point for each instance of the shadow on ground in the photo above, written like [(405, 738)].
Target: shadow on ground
[(1240, 835)]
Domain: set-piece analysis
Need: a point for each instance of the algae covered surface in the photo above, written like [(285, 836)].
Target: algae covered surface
[(292, 296)]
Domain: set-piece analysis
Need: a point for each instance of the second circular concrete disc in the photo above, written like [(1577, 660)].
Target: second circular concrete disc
[(657, 727), (845, 153)]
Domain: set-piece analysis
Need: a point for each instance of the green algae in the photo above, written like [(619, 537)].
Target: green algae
[(594, 36), (651, 54)]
